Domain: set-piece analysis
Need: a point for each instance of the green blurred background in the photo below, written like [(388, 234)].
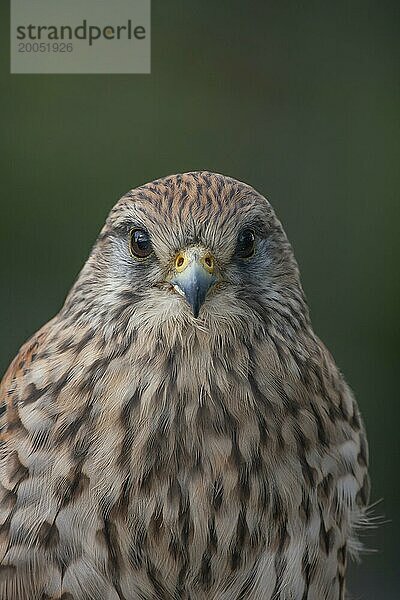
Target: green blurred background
[(301, 100)]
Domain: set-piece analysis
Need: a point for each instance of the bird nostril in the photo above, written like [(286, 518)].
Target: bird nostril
[(208, 262), (181, 262)]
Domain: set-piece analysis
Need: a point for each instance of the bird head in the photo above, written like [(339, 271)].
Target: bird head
[(199, 249)]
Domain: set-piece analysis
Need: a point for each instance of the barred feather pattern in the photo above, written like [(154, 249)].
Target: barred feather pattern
[(146, 454)]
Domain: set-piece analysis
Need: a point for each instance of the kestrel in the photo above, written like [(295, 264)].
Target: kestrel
[(178, 431)]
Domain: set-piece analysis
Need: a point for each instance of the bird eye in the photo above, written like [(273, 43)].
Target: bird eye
[(246, 243), (139, 243)]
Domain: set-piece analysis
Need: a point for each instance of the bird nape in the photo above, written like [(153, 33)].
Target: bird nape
[(178, 431)]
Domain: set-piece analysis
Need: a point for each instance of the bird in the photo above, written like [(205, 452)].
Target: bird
[(178, 431)]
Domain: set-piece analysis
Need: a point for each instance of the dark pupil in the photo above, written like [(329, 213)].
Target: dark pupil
[(246, 242), (141, 245), (141, 240)]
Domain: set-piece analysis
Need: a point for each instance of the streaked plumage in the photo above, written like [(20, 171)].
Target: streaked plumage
[(148, 454)]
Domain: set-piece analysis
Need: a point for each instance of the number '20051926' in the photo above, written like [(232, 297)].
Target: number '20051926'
[(45, 47)]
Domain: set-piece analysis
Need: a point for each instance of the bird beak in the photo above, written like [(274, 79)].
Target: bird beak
[(194, 276)]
